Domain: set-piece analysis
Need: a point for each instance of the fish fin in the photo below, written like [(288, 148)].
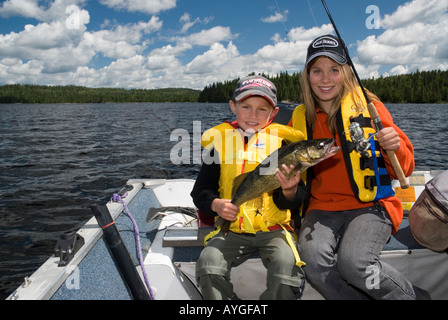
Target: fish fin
[(292, 173), (237, 182)]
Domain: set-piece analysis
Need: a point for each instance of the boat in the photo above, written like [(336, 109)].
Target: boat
[(161, 260)]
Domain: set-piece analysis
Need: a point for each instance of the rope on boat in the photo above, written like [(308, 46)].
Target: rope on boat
[(117, 198)]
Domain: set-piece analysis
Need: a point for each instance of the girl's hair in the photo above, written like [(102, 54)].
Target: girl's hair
[(311, 102)]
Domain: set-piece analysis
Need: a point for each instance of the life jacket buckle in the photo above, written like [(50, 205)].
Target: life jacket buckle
[(370, 182)]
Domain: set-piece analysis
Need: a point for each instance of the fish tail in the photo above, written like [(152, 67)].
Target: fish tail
[(225, 227)]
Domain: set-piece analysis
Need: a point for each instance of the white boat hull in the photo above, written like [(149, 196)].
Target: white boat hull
[(172, 242)]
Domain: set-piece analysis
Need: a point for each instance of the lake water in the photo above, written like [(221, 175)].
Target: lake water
[(58, 160)]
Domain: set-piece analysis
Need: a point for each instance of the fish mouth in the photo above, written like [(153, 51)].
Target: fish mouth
[(329, 151)]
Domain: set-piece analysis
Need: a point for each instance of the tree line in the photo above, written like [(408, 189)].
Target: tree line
[(75, 94), (418, 87), (288, 87)]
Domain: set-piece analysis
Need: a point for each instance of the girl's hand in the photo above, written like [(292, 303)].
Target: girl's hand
[(289, 186), (389, 139)]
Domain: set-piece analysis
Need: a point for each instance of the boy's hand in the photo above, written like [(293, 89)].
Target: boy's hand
[(289, 186), (225, 209)]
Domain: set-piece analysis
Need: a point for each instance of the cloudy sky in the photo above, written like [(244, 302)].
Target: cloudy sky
[(192, 43)]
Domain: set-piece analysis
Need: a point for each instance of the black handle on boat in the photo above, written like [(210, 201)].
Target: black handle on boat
[(120, 254), (372, 109)]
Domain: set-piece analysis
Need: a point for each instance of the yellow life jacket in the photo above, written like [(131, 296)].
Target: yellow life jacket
[(368, 175), (236, 157)]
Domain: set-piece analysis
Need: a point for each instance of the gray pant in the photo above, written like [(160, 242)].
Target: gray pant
[(224, 252), (342, 250)]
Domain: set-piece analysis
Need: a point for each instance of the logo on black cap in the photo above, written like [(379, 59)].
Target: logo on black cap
[(325, 42), (329, 46)]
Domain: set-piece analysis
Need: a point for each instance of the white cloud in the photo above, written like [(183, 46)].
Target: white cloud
[(213, 60), (163, 63), (147, 6), (289, 54), (50, 52), (186, 20), (417, 10), (56, 10), (277, 17), (308, 35), (398, 70), (16, 67), (177, 50), (111, 49), (187, 23), (24, 8), (208, 37), (35, 41), (66, 60), (124, 41), (413, 38)]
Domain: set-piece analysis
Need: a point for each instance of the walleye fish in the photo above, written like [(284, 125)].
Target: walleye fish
[(301, 154)]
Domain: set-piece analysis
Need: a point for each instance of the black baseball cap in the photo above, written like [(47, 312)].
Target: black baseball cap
[(328, 46), (255, 86)]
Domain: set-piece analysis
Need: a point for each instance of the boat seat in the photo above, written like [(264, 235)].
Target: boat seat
[(205, 220)]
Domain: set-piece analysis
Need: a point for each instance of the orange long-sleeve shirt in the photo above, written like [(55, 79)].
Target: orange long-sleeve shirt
[(331, 189)]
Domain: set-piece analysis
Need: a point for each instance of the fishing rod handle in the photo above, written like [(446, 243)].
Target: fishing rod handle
[(390, 154), (404, 184)]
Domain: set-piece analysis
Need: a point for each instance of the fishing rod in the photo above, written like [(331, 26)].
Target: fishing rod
[(370, 106)]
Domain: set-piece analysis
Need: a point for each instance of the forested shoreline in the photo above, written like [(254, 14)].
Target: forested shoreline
[(418, 87), (75, 94)]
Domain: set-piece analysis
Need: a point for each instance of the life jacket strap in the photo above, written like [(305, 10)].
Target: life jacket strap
[(293, 247)]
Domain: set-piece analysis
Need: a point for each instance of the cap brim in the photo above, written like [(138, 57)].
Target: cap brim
[(339, 59), (251, 93)]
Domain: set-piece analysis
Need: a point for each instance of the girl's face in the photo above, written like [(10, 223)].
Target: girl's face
[(326, 81), (253, 113)]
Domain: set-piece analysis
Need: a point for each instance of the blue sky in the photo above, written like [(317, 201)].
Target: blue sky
[(193, 43)]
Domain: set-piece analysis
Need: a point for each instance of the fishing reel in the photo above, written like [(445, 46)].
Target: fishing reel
[(357, 136)]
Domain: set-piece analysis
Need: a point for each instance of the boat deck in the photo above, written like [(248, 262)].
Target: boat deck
[(171, 242)]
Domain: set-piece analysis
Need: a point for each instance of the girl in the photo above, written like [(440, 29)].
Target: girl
[(352, 209)]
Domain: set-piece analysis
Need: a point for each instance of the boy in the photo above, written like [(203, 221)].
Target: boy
[(261, 225)]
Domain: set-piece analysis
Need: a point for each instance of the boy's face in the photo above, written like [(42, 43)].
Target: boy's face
[(253, 113)]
